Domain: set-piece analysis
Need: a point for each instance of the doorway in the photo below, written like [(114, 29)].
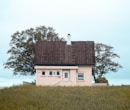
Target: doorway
[(66, 75)]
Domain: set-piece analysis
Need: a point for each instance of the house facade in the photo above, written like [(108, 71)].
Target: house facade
[(59, 63)]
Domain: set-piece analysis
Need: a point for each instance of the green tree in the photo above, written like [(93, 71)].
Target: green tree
[(22, 48), (105, 61)]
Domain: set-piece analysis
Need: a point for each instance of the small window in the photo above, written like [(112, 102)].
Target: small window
[(80, 76), (50, 73), (58, 73), (66, 75), (43, 73)]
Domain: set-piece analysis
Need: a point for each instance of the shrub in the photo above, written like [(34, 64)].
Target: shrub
[(101, 80)]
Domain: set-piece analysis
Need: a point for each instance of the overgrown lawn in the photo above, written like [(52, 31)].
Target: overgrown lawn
[(65, 98)]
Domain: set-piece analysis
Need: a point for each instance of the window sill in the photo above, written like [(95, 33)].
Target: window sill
[(43, 76), (50, 76), (80, 80), (58, 76)]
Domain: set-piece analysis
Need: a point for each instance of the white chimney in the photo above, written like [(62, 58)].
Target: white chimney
[(68, 39)]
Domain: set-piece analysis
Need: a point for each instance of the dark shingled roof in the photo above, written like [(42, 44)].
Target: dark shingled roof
[(59, 53)]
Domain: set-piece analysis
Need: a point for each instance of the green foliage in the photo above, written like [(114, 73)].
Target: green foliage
[(22, 48), (105, 60), (65, 98), (101, 80)]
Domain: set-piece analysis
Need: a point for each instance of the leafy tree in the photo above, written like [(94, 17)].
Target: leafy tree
[(105, 61), (22, 48)]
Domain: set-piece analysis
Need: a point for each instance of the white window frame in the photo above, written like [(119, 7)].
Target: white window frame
[(78, 78)]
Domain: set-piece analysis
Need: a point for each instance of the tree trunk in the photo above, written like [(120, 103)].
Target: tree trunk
[(94, 77)]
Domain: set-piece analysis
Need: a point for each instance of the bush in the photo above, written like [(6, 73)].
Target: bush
[(101, 80)]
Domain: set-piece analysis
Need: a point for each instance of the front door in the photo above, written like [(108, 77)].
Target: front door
[(66, 75)]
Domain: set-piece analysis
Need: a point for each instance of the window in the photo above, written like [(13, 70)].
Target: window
[(58, 73), (50, 73), (80, 76), (43, 73), (66, 75)]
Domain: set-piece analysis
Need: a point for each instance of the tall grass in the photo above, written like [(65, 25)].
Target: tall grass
[(65, 98)]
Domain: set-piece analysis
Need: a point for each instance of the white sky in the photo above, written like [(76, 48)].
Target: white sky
[(105, 21)]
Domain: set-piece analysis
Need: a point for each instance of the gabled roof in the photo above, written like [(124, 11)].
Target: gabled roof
[(59, 53)]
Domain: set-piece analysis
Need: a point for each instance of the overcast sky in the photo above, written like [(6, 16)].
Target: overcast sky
[(102, 21)]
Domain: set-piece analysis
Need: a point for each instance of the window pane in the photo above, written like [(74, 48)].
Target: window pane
[(80, 76), (58, 73), (50, 73), (66, 75), (43, 73)]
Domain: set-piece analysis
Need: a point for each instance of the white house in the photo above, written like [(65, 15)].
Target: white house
[(59, 63)]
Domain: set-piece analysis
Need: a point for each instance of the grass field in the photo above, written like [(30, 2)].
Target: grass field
[(65, 98)]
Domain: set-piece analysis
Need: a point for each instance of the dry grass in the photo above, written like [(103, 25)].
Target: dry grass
[(65, 98)]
